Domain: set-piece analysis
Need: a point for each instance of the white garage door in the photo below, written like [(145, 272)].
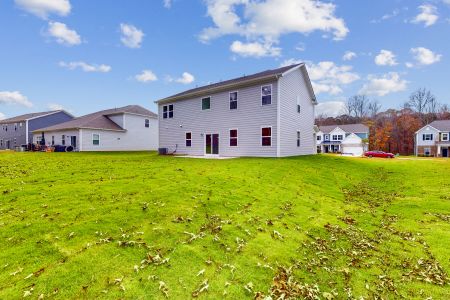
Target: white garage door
[(354, 150)]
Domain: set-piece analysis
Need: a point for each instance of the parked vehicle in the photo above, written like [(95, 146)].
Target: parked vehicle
[(381, 154)]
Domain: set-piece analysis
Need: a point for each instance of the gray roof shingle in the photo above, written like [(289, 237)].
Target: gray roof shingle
[(100, 120), (352, 128), (25, 117), (226, 83), (442, 125)]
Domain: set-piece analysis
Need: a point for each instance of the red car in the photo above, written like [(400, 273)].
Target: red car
[(379, 154)]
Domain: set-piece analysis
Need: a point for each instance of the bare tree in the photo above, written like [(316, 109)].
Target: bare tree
[(423, 102), (358, 106), (374, 108)]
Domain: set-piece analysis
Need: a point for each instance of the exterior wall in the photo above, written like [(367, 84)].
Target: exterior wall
[(118, 119), (426, 130), (15, 137), (137, 137), (248, 119), (337, 131), (421, 150), (353, 145), (58, 137), (294, 91), (46, 121)]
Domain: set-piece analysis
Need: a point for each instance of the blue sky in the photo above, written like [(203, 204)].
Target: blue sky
[(90, 55)]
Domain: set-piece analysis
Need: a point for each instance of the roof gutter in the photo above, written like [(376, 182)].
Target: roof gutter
[(76, 128)]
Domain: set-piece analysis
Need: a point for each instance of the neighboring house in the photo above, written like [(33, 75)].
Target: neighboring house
[(129, 128), (269, 114), (346, 139), (433, 139), (17, 131)]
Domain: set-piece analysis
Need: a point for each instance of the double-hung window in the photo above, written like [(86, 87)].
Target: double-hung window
[(266, 136), (445, 137), (53, 140), (427, 137), (233, 100), (96, 139), (168, 111), (63, 140), (299, 108), (319, 138), (266, 95), (298, 138), (206, 103), (233, 137), (337, 137), (147, 123), (188, 139)]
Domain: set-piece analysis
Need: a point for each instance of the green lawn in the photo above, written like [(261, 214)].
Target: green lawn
[(136, 225)]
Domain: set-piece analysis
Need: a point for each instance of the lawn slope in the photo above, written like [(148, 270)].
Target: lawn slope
[(136, 225)]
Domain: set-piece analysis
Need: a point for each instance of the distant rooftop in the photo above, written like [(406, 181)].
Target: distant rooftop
[(442, 125), (23, 118), (352, 128)]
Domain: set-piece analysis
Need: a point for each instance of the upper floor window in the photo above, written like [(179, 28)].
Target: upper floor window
[(427, 137), (188, 139), (168, 111), (1, 143), (266, 95), (15, 126), (20, 124), (53, 140), (233, 100), (298, 138), (445, 137), (147, 123), (206, 103), (337, 137), (319, 138), (233, 137), (63, 140), (96, 139), (326, 137), (266, 136), (299, 108)]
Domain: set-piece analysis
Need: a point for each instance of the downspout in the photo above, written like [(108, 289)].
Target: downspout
[(278, 117), (80, 133)]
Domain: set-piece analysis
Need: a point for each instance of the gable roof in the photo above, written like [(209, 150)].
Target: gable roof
[(25, 117), (100, 119), (441, 125), (240, 81), (353, 128)]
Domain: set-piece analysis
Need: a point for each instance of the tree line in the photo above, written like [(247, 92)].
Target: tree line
[(391, 130)]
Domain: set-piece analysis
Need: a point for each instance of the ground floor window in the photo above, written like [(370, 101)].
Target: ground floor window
[(95, 139), (233, 137), (188, 139), (53, 140), (427, 151), (266, 136), (298, 138), (63, 140), (1, 143)]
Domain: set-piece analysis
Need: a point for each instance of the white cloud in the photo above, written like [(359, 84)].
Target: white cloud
[(186, 78), (2, 116), (254, 49), (167, 3), (146, 76), (7, 97), (424, 56), (63, 34), (386, 58), (446, 1), (131, 36), (330, 108), (269, 20), (349, 55), (85, 66), (43, 8), (326, 76), (388, 16), (55, 106), (428, 15), (386, 84)]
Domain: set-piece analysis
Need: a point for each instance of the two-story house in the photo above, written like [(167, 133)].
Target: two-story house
[(268, 114), (433, 139), (17, 131), (348, 139), (129, 128)]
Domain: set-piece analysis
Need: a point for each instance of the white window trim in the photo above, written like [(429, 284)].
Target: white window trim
[(145, 123), (271, 95), (185, 139), (201, 103), (298, 139), (237, 138), (237, 100), (168, 110), (261, 136), (98, 140), (425, 150), (428, 134), (447, 135)]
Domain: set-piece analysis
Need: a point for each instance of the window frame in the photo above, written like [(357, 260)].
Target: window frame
[(186, 139), (201, 103), (447, 135), (430, 135), (53, 140), (166, 114), (271, 94), (147, 123), (93, 140), (425, 151), (337, 137), (230, 101), (299, 138), (63, 139), (319, 138), (299, 107), (266, 136), (233, 138)]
